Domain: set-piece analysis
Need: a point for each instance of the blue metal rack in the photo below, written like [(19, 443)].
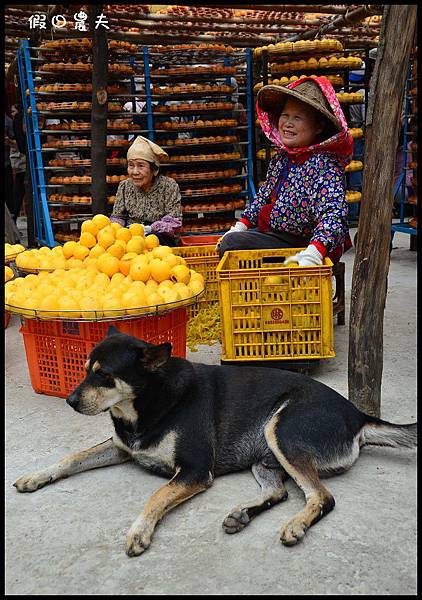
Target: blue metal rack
[(251, 124), (400, 185), (354, 178), (147, 76), (249, 193), (43, 231), (43, 227)]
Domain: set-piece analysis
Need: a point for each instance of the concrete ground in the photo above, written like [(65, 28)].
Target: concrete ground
[(68, 538)]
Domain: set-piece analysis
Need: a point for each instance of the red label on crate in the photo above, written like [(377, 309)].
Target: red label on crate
[(277, 314), (275, 318)]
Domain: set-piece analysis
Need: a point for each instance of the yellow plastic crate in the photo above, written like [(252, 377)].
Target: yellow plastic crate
[(289, 317), (204, 260)]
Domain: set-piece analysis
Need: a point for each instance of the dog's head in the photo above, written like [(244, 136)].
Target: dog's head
[(117, 370)]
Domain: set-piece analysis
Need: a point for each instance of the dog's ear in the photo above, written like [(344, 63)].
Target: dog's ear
[(155, 357), (112, 330)]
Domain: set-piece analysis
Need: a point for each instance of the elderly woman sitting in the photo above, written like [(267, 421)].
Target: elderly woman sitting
[(302, 203), (148, 197)]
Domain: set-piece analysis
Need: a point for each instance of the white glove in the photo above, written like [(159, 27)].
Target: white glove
[(238, 227), (310, 257), (147, 229)]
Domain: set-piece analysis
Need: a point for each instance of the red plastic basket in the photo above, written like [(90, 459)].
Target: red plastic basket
[(56, 351), (199, 240)]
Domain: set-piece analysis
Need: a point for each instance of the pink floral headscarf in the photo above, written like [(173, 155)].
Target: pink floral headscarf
[(340, 144)]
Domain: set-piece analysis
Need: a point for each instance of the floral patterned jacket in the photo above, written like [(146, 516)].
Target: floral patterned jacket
[(134, 206), (309, 199)]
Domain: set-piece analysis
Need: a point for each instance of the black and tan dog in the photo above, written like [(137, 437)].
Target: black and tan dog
[(193, 422)]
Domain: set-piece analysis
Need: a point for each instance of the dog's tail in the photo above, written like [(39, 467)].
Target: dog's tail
[(382, 433)]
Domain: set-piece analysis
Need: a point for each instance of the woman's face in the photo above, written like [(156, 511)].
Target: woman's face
[(140, 172), (298, 124)]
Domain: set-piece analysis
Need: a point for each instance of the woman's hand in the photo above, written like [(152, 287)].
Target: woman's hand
[(311, 257), (118, 220), (168, 224), (234, 228)]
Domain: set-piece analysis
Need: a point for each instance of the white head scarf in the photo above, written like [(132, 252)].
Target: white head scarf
[(144, 149)]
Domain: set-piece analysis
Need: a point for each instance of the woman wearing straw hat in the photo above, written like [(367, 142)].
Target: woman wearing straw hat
[(302, 203), (148, 197)]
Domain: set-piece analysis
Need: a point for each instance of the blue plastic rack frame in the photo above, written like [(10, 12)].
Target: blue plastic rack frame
[(251, 126), (400, 186), (43, 231), (147, 78)]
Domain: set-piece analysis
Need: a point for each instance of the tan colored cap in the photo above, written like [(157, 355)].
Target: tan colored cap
[(271, 98), (144, 149)]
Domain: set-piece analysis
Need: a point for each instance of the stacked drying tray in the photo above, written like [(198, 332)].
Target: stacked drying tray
[(195, 121), (64, 100), (286, 62)]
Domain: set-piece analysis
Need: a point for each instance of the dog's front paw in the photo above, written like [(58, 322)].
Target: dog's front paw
[(137, 541), (32, 482), (236, 521), (293, 532)]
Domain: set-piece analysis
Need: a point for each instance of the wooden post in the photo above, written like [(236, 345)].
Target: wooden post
[(99, 112), (369, 283)]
